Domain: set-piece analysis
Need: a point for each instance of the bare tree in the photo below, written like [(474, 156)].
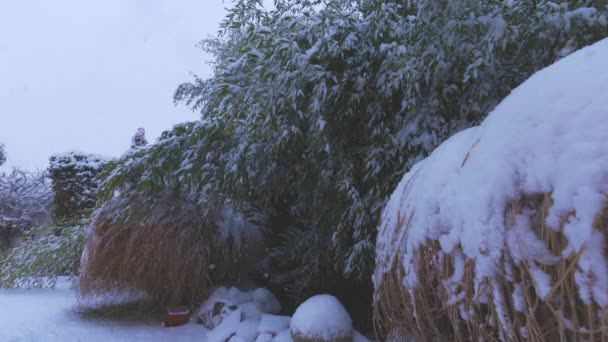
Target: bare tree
[(25, 201)]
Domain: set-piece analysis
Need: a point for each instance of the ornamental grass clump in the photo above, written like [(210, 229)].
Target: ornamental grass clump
[(500, 234), (172, 252)]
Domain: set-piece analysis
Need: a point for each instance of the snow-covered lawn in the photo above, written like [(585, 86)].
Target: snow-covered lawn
[(50, 315)]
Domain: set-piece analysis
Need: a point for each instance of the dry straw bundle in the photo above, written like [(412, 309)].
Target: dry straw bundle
[(501, 233), (176, 255), (560, 315)]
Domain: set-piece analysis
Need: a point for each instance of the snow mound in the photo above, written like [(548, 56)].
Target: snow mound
[(235, 315), (323, 318), (474, 196)]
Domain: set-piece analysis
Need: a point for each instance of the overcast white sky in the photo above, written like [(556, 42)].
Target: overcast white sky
[(84, 75)]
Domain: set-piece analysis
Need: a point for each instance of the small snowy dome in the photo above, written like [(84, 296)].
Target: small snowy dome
[(321, 317)]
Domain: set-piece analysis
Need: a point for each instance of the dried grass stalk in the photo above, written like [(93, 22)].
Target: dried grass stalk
[(427, 313), (174, 255)]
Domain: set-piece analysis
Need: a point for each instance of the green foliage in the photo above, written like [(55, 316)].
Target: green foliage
[(317, 108), (333, 101), (187, 161), (168, 199), (45, 253)]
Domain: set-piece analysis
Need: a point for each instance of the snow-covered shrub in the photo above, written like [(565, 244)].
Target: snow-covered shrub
[(75, 180), (163, 227), (25, 201), (331, 102), (45, 253), (501, 232), (321, 318)]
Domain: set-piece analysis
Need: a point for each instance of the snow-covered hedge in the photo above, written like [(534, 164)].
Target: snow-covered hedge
[(75, 182), (501, 232)]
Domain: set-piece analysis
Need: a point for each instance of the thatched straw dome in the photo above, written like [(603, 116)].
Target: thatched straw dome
[(500, 234)]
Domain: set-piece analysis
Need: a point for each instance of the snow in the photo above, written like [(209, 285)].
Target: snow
[(248, 329), (251, 304), (273, 324), (285, 336), (547, 136), (226, 328), (50, 315), (236, 315), (235, 226), (321, 317), (266, 301), (78, 160), (247, 316)]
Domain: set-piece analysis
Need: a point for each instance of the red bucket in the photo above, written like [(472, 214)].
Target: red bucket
[(177, 316)]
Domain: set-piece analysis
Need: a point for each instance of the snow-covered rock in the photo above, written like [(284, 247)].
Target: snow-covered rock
[(233, 315), (253, 303), (222, 302), (285, 336), (266, 301), (248, 329), (251, 311), (321, 318), (226, 329), (264, 337), (273, 324)]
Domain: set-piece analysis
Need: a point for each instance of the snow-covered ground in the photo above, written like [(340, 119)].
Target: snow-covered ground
[(50, 315)]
